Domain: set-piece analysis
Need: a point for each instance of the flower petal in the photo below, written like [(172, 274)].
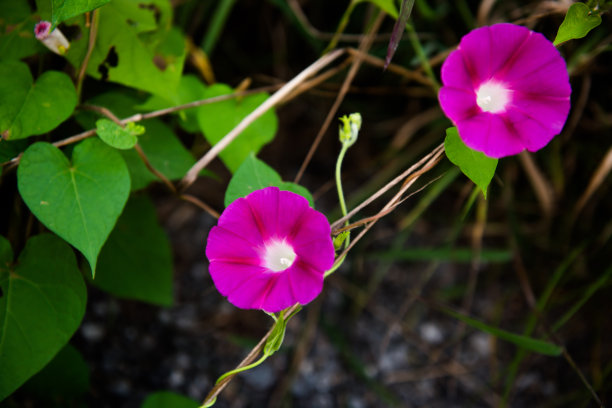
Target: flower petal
[(227, 276), (280, 295), (490, 134), (487, 49), (550, 112), (458, 104), (538, 68), (306, 282), (226, 245), (527, 124), (251, 293), (238, 218), (454, 73)]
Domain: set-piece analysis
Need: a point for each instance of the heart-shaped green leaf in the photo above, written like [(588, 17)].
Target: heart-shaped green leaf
[(253, 174), (475, 165), (42, 303), (116, 136), (217, 119), (136, 261), (66, 377), (578, 21), (29, 108), (79, 201)]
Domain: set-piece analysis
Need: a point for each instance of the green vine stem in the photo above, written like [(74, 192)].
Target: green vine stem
[(348, 132)]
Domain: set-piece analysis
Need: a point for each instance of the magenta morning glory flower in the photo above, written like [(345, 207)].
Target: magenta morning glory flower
[(270, 250), (506, 88)]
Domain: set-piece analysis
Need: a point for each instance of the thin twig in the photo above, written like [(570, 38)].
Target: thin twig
[(273, 100), (216, 390), (153, 170), (143, 116), (93, 33), (104, 112), (433, 160), (435, 153), (542, 188), (358, 59), (199, 203)]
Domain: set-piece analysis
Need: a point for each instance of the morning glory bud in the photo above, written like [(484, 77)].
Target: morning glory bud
[(53, 40)]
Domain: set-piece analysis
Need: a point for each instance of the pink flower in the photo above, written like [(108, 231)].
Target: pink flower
[(506, 88), (270, 251), (53, 40)]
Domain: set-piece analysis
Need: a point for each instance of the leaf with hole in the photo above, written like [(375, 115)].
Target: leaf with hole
[(578, 21), (218, 119), (135, 46), (42, 304), (32, 108), (475, 165), (79, 200)]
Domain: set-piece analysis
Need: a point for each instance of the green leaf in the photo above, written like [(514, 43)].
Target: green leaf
[(64, 9), (475, 165), (80, 200), (167, 399), (161, 146), (13, 12), (275, 340), (29, 108), (114, 135), (135, 46), (136, 261), (42, 304), (528, 343), (297, 189), (253, 174), (579, 20), (65, 377), (388, 6), (218, 119), (190, 89), (10, 149), (164, 151), (17, 38)]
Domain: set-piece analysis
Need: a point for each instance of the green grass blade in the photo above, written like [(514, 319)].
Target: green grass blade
[(585, 297), (529, 343)]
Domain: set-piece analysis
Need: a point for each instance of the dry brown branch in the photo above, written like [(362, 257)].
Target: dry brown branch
[(272, 101), (435, 154), (541, 186), (598, 177), (356, 64), (93, 33), (216, 390)]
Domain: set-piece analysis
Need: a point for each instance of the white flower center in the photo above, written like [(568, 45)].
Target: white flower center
[(492, 97), (279, 256)]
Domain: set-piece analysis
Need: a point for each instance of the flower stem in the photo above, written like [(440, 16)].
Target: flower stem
[(245, 368), (345, 147)]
